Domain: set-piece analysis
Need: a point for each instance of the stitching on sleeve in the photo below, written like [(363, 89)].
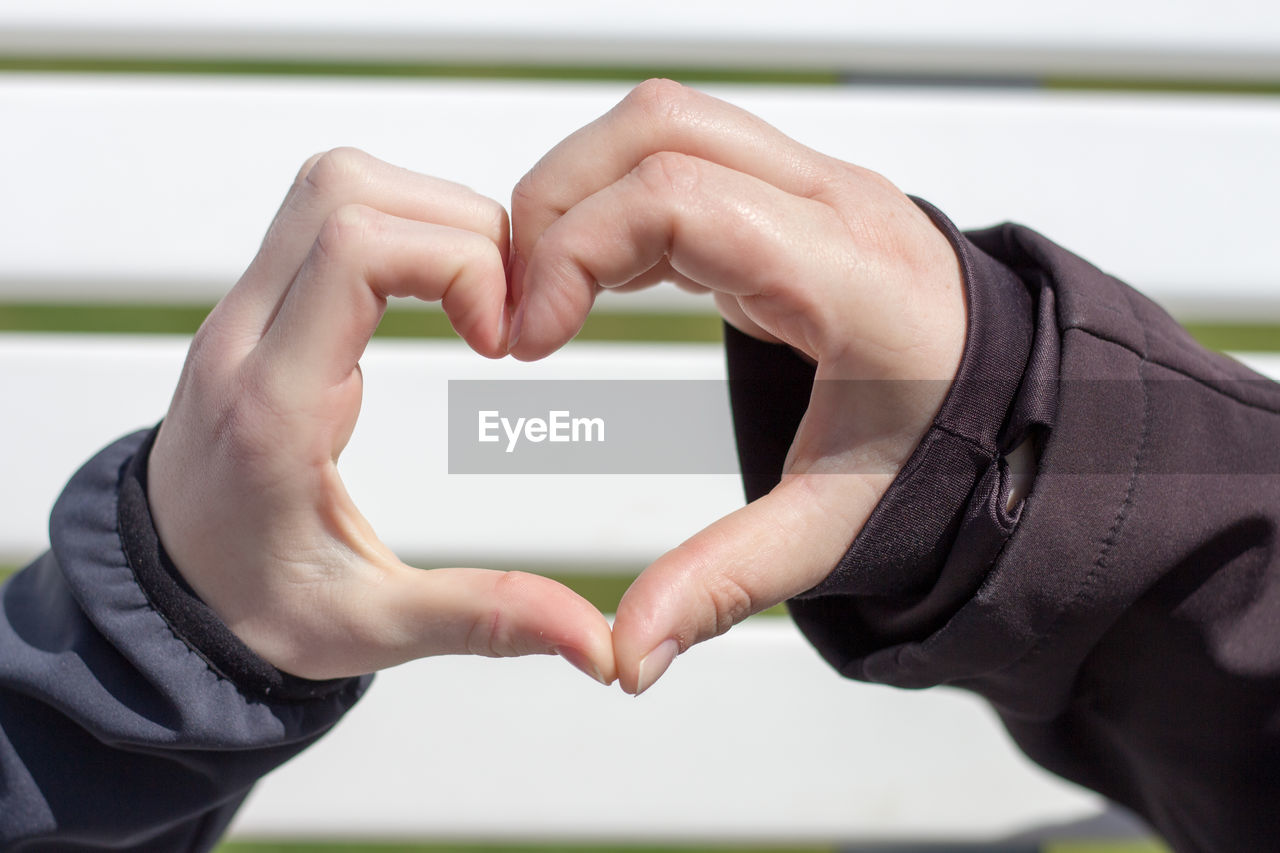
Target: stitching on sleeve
[(1113, 535)]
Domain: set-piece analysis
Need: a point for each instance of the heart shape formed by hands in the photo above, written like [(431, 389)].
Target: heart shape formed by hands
[(797, 248)]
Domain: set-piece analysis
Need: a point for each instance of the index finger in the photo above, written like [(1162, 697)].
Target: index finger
[(658, 115), (337, 178)]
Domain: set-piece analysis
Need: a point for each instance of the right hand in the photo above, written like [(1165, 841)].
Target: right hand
[(243, 482), (797, 247)]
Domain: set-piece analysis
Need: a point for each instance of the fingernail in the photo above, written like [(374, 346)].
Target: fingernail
[(515, 294), (516, 289), (504, 327), (581, 663), (517, 324), (654, 664)]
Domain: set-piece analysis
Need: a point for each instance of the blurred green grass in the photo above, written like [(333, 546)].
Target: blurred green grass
[(760, 74), (127, 318)]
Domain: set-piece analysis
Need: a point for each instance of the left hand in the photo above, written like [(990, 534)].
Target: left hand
[(243, 479)]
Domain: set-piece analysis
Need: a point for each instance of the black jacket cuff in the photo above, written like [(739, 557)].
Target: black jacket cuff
[(904, 574), (190, 619)]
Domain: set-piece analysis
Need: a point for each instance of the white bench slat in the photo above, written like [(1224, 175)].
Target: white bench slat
[(1173, 193), (1231, 39), (78, 392), (73, 393), (1268, 364), (748, 738)]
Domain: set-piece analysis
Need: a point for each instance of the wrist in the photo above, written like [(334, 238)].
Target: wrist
[(187, 615)]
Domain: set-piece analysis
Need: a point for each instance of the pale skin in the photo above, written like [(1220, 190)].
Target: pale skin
[(671, 184)]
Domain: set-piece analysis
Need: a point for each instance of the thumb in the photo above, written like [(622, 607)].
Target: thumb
[(502, 614), (411, 613), (761, 555)]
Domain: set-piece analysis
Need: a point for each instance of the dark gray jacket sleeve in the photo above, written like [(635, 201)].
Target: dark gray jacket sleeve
[(130, 718), (1124, 620)]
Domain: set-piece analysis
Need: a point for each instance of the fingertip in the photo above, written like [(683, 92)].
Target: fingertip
[(477, 308), (586, 665), (511, 314), (586, 640), (491, 344), (654, 665), (531, 339), (552, 294), (546, 320), (648, 628)]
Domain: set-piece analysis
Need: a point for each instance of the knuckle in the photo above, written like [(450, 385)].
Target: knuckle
[(669, 172), (310, 163), (484, 630), (730, 601), (494, 634), (659, 99), (337, 169), (862, 188), (724, 599), (526, 197), (874, 179), (498, 227), (345, 231)]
